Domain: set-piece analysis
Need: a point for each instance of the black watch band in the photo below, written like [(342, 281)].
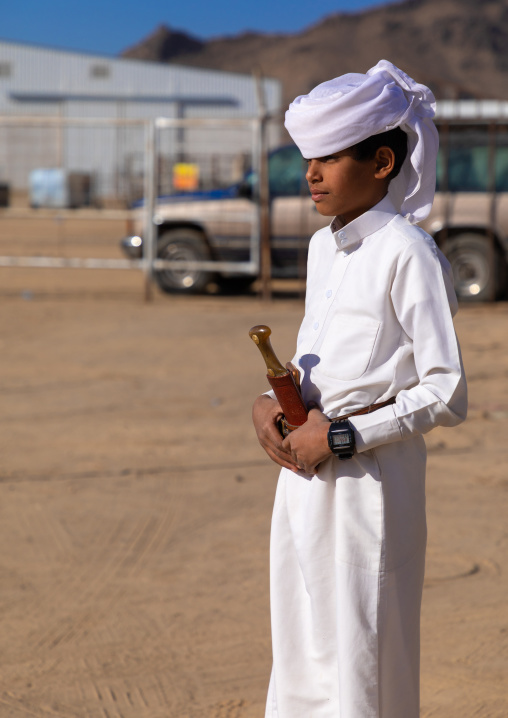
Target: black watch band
[(341, 438)]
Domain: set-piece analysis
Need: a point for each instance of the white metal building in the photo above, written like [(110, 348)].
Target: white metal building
[(48, 83)]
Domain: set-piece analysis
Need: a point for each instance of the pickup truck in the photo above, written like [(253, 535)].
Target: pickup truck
[(216, 225), (469, 221)]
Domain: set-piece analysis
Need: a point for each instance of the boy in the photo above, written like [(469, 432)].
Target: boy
[(380, 366)]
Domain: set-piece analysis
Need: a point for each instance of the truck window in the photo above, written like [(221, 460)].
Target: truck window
[(501, 161), (286, 169), (468, 155), (467, 152), (286, 172)]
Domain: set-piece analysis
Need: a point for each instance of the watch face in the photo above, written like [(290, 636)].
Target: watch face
[(341, 439)]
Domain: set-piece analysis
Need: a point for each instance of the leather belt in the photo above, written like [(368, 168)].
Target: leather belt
[(286, 428), (366, 410)]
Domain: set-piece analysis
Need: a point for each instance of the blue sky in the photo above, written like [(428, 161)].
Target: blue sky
[(109, 26)]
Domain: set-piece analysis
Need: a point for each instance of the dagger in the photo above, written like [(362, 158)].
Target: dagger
[(283, 380)]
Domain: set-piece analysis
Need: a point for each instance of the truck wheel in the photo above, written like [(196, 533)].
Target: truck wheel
[(475, 265), (184, 245)]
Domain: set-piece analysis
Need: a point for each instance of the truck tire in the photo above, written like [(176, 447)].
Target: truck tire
[(475, 265), (182, 244)]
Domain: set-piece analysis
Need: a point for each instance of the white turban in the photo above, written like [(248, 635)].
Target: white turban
[(342, 112)]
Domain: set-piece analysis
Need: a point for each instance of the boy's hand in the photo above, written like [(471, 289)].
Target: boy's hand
[(308, 445), (266, 412)]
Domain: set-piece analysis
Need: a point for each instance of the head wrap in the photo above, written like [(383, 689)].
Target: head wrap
[(342, 112)]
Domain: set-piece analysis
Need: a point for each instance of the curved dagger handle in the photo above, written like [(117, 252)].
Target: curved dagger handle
[(260, 335)]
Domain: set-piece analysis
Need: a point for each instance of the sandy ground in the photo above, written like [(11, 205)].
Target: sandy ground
[(135, 506)]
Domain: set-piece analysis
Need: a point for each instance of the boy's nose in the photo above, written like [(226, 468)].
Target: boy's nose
[(313, 174)]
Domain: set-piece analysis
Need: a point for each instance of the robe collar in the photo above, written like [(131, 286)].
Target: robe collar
[(348, 236)]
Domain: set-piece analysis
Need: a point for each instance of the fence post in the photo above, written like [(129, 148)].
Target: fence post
[(264, 194), (150, 192)]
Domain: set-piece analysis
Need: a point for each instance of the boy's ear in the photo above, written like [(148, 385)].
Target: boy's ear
[(385, 161)]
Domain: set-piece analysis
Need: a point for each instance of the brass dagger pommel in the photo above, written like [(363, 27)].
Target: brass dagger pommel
[(260, 335)]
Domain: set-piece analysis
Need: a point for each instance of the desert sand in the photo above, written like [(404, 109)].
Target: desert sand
[(135, 505)]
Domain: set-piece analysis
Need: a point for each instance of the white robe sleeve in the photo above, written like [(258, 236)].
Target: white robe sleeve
[(424, 302)]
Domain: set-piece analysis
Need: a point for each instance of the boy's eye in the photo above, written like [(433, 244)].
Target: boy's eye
[(322, 160)]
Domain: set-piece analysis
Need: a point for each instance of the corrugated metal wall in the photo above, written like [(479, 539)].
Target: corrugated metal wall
[(37, 81), (30, 74)]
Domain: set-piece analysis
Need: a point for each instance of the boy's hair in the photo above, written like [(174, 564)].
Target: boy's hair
[(395, 139)]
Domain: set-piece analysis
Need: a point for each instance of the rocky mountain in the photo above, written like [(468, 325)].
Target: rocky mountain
[(457, 47), (164, 45)]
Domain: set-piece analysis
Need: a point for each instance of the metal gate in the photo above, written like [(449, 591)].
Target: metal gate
[(66, 169)]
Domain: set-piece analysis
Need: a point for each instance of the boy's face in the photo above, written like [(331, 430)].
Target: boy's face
[(345, 187)]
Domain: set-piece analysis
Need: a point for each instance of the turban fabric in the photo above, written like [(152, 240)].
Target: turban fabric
[(342, 112)]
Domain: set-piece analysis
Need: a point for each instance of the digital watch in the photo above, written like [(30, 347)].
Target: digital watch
[(341, 439)]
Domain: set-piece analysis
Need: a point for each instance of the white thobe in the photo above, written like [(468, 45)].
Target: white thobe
[(348, 545)]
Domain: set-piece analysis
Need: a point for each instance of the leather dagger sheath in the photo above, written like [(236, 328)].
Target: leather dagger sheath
[(283, 380)]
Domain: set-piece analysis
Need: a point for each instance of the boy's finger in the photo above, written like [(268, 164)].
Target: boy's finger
[(315, 414), (282, 459)]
